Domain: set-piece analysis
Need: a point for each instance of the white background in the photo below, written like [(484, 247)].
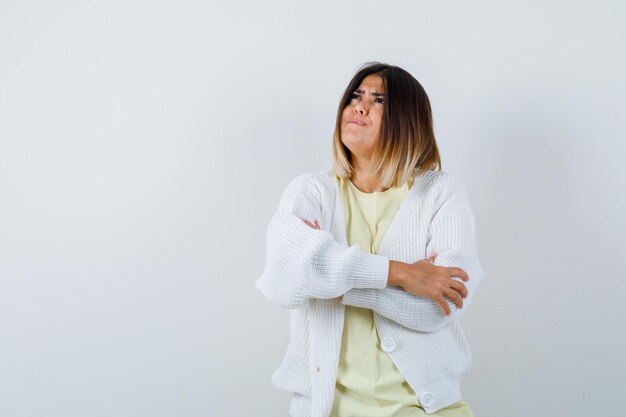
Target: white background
[(144, 146)]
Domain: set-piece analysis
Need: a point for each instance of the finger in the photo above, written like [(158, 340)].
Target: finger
[(444, 305), (459, 287), (458, 272), (454, 297), (317, 225), (309, 223)]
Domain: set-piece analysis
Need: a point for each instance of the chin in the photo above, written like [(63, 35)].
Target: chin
[(354, 139)]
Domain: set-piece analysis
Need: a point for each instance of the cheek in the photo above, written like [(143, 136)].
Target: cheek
[(379, 114)]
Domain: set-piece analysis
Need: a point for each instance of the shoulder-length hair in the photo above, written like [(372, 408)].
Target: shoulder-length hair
[(407, 146)]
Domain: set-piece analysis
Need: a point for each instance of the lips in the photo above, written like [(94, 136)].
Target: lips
[(357, 122)]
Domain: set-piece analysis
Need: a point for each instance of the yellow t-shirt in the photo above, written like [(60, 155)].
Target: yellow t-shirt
[(368, 383)]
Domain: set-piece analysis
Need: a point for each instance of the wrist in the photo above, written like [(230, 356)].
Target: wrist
[(396, 273)]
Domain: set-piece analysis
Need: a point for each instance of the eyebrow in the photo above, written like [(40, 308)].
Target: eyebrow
[(374, 94)]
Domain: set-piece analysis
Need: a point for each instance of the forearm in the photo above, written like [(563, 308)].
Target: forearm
[(412, 311), (303, 263), (454, 243)]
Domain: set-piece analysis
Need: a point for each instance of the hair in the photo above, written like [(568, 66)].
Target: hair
[(407, 146)]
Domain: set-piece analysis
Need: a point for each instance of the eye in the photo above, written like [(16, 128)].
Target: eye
[(380, 100), (354, 95)]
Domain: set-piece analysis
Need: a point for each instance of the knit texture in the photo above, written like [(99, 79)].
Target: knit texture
[(306, 269)]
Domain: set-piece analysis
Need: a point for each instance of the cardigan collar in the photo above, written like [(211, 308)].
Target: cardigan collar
[(406, 210)]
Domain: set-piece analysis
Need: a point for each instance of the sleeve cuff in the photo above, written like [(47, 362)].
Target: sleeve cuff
[(370, 271)]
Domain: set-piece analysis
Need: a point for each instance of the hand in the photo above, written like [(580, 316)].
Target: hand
[(317, 226), (434, 282)]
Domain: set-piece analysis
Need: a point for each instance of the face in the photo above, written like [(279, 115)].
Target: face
[(361, 119)]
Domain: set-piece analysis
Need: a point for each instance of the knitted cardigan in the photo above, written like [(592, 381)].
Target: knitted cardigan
[(307, 268)]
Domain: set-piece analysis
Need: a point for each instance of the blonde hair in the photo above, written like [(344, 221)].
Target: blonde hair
[(407, 146)]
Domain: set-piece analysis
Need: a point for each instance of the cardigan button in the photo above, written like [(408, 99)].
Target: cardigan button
[(388, 344), (427, 399)]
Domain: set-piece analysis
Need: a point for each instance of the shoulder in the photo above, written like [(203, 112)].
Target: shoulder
[(449, 183), (440, 181), (444, 188), (309, 185)]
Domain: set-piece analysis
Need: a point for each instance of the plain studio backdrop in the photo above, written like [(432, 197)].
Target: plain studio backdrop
[(144, 147)]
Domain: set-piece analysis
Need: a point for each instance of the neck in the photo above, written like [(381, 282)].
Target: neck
[(365, 181)]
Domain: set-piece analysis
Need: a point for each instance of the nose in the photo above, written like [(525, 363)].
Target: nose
[(361, 108)]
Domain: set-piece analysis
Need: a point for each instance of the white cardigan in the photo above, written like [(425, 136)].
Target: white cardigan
[(307, 268)]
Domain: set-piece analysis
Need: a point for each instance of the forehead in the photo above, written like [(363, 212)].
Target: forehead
[(372, 83)]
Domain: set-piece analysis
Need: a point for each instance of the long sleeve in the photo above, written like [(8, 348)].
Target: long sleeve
[(303, 263), (452, 238)]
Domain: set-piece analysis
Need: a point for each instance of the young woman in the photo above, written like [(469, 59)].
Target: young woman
[(376, 259)]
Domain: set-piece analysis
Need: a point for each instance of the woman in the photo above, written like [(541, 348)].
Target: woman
[(376, 259)]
